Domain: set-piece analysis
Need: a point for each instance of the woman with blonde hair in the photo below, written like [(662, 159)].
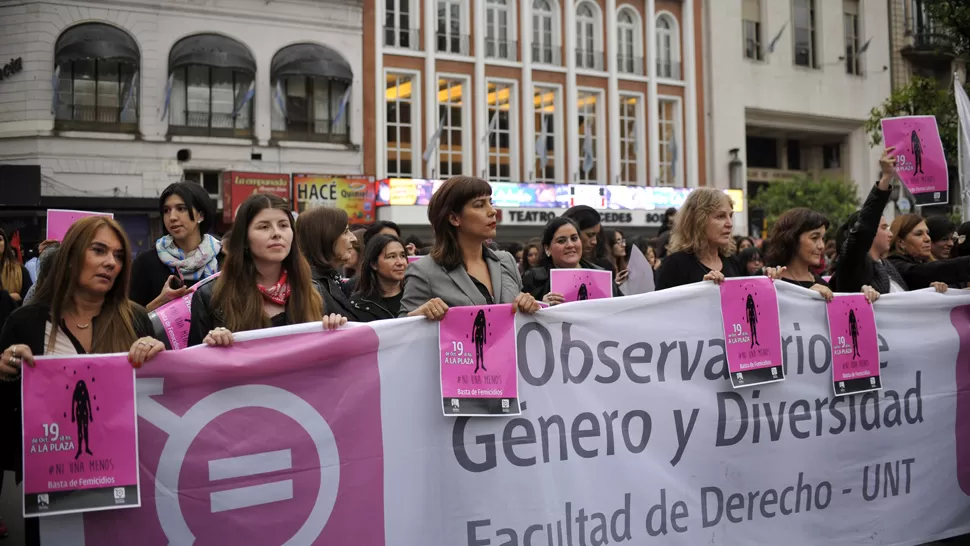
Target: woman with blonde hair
[(14, 278), (701, 244), (911, 253)]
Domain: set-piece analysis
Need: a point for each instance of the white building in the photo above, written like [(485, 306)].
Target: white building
[(106, 137), (798, 107)]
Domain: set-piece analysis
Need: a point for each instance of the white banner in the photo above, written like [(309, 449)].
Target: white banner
[(630, 434)]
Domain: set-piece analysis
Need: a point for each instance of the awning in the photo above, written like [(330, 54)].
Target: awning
[(211, 50), (310, 60), (96, 41)]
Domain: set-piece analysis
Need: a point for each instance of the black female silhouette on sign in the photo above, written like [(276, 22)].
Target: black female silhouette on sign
[(752, 317), (583, 293), (854, 333), (917, 152), (478, 335), (81, 414)]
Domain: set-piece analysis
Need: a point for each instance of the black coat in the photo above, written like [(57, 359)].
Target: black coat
[(919, 274), (206, 318), (682, 268), (148, 276), (335, 299), (855, 267), (368, 310)]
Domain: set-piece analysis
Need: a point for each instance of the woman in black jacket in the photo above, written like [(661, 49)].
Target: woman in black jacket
[(562, 248), (912, 257), (327, 243), (380, 279)]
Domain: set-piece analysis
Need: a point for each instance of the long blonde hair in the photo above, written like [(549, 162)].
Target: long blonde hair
[(11, 276), (690, 224), (114, 331)]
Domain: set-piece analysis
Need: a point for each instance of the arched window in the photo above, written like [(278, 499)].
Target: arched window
[(311, 94), (96, 79), (587, 30), (212, 87), (668, 52), (545, 32), (629, 58)]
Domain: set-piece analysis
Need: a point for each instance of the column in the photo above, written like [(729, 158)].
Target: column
[(380, 106), (691, 143), (570, 146), (479, 96), (431, 116), (613, 94), (653, 105), (526, 116)]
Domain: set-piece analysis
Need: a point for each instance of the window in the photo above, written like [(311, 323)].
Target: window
[(211, 181), (586, 33), (670, 171), (794, 153), (762, 152), (311, 94), (545, 25), (95, 92), (497, 30), (851, 21), (450, 38), (803, 15), (751, 19), (588, 137), (668, 60), (400, 123), (501, 101), (832, 156), (397, 24), (628, 39), (546, 108), (629, 141), (451, 117)]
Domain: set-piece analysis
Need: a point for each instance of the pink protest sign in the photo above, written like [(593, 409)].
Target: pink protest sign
[(921, 163), (752, 331), (479, 374), (581, 284), (855, 345), (80, 440), (59, 221), (412, 259), (173, 320)]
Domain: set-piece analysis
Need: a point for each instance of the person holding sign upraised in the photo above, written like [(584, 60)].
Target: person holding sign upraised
[(461, 270), (562, 248)]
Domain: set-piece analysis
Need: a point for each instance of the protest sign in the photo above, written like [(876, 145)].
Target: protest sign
[(921, 163)]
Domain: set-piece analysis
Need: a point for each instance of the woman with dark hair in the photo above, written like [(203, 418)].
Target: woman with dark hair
[(531, 255), (562, 249), (943, 237), (381, 227), (461, 270), (751, 261), (911, 252), (797, 244), (14, 278), (185, 255), (327, 242), (595, 249), (616, 252), (380, 280), (266, 281), (741, 243), (82, 308)]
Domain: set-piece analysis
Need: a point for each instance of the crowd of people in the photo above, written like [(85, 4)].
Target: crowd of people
[(87, 294)]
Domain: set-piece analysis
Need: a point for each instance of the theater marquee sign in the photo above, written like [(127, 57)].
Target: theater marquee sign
[(13, 67)]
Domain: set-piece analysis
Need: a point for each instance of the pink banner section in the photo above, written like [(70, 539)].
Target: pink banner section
[(752, 331), (581, 284), (276, 438), (855, 345), (80, 442), (59, 221), (921, 163)]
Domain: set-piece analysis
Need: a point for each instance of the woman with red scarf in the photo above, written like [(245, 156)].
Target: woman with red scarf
[(265, 281)]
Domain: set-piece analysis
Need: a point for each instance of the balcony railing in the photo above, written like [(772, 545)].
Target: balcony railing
[(96, 118), (668, 69), (500, 49), (627, 64), (551, 55), (212, 124), (589, 59), (453, 43), (405, 38)]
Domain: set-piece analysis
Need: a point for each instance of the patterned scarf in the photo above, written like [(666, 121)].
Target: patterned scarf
[(194, 266), (278, 293)]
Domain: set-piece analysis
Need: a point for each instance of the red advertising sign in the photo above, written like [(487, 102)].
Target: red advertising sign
[(237, 186)]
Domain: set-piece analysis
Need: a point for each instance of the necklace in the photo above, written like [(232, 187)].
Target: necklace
[(82, 326)]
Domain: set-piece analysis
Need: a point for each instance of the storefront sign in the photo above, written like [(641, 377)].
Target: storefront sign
[(610, 218), (13, 67), (355, 195), (237, 186)]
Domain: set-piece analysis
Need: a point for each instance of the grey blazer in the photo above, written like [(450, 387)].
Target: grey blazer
[(425, 279)]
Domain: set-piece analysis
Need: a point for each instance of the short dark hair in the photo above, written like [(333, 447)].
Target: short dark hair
[(513, 247), (749, 254), (195, 198), (450, 199), (584, 216), (317, 230), (787, 231), (368, 285), (940, 227), (378, 227)]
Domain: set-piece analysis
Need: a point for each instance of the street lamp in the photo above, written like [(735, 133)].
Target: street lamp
[(735, 174)]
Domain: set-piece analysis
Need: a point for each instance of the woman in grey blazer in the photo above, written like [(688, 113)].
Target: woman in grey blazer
[(461, 270)]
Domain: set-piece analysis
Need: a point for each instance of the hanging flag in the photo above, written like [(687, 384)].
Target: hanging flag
[(542, 144), (168, 95), (280, 101), (492, 126), (343, 106), (433, 143), (246, 98), (55, 82), (589, 161), (131, 92), (963, 148), (774, 42), (865, 46), (674, 155)]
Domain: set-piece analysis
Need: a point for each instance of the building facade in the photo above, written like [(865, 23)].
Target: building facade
[(551, 91), (791, 83), (917, 47), (114, 101)]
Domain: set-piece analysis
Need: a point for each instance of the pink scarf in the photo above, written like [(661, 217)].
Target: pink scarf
[(278, 293)]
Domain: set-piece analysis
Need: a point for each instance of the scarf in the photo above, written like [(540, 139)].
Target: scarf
[(278, 293), (194, 266)]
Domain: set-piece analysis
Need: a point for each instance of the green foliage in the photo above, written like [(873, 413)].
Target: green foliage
[(952, 22), (922, 97), (837, 198)]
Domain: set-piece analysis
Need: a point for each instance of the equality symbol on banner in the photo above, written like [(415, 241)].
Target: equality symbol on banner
[(273, 495)]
